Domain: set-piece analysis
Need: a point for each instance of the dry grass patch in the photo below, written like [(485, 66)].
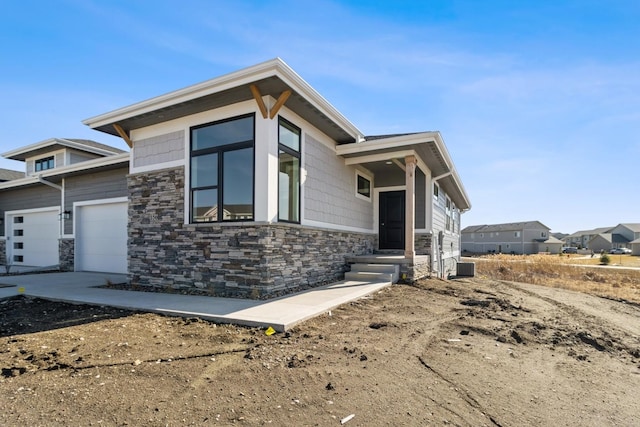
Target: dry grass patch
[(555, 271)]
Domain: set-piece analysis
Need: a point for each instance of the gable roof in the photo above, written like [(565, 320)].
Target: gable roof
[(591, 232), (510, 226), (271, 77), (9, 175), (53, 144), (550, 240), (429, 148), (611, 238), (635, 227)]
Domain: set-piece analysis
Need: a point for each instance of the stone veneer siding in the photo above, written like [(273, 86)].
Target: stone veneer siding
[(248, 260), (423, 244), (66, 248), (417, 270), (3, 252)]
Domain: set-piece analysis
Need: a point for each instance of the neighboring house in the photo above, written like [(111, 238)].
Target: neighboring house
[(70, 209), (607, 241), (581, 239), (10, 175), (560, 236), (635, 247), (252, 184), (527, 237), (620, 236)]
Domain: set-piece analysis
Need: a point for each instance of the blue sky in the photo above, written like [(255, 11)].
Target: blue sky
[(537, 101)]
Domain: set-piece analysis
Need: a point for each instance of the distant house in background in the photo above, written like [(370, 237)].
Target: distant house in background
[(559, 236), (580, 239), (528, 237), (620, 236), (10, 175), (635, 247), (69, 209)]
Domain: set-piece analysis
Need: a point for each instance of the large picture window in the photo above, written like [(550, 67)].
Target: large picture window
[(222, 170), (289, 171)]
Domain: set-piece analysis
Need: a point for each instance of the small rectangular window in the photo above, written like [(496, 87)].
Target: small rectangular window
[(18, 258), (19, 232), (18, 219), (436, 191), (44, 164), (363, 186), (18, 245)]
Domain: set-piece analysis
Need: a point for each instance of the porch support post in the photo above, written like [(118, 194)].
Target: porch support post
[(410, 207)]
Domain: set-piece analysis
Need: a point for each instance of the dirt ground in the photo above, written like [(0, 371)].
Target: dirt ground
[(463, 352)]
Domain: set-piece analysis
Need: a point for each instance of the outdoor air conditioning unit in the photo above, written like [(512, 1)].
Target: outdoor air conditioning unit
[(466, 269)]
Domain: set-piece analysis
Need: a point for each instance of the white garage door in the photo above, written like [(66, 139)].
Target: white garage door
[(101, 238), (33, 238)]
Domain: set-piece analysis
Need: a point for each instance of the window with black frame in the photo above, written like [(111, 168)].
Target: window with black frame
[(44, 164), (289, 172), (222, 170)]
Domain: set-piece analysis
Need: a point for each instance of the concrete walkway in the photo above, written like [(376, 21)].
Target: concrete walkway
[(280, 313)]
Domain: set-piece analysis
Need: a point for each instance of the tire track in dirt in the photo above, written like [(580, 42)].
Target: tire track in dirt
[(601, 333), (466, 396)]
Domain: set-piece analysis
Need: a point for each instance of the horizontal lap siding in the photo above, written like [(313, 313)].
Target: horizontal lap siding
[(95, 186), (330, 188), (38, 196)]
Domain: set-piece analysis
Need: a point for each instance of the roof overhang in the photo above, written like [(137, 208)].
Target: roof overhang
[(272, 78), (53, 144), (428, 147), (100, 164)]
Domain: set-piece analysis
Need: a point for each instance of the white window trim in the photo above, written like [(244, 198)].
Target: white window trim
[(368, 178)]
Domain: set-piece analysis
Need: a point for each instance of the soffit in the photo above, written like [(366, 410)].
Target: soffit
[(273, 86)]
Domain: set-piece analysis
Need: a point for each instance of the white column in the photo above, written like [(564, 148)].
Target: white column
[(410, 207)]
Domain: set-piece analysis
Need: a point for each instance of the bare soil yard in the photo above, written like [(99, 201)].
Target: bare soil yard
[(462, 352)]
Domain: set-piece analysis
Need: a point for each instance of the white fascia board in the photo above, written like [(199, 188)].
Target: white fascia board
[(53, 141), (274, 67), (386, 143), (89, 164)]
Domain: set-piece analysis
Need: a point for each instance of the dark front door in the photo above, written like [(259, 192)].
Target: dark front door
[(391, 227)]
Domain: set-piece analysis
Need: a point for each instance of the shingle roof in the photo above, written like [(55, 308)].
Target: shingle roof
[(635, 227), (591, 232), (91, 143), (10, 175), (505, 227), (374, 137)]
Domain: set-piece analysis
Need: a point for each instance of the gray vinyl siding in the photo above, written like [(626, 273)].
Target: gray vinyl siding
[(159, 149), (77, 157), (504, 241), (95, 186), (330, 189), (438, 211), (420, 199), (37, 196)]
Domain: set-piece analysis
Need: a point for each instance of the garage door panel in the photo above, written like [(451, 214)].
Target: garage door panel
[(33, 238), (101, 238)]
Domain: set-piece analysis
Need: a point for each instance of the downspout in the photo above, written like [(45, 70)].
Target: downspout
[(59, 188)]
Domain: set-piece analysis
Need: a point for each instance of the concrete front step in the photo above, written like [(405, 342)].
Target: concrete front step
[(376, 272)]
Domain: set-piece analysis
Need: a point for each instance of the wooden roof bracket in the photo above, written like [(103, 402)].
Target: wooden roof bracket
[(279, 103), (256, 95), (123, 134), (263, 108)]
